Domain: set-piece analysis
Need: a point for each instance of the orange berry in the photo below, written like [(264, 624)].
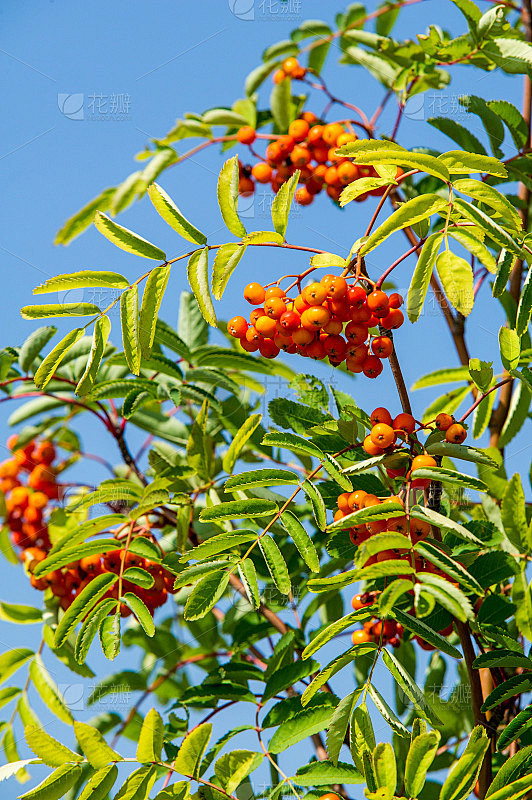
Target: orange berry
[(246, 187), (289, 65), (38, 500), (371, 448), (246, 135), (331, 177), (310, 117), (382, 346), (356, 333), (314, 294), (249, 346), (315, 350), (423, 462), (275, 291), (378, 303), (262, 172), (237, 327), (332, 157), (286, 145), (268, 348), (361, 601), (315, 134), (315, 318), (336, 286), (304, 197), (443, 422), (456, 433), (274, 307), (383, 435), (356, 499), (300, 156), (331, 133), (302, 336), (342, 502), (279, 75), (404, 422), (358, 637), (393, 319), (395, 300), (266, 327), (254, 293), (347, 172), (334, 327), (299, 129), (381, 415), (345, 138), (372, 367), (9, 469)]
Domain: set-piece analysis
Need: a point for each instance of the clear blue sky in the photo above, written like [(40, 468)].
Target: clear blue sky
[(160, 60)]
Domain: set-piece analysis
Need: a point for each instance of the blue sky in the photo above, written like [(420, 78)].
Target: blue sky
[(144, 65)]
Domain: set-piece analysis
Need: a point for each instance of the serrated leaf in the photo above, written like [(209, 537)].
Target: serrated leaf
[(82, 280), (302, 540), (412, 211), (408, 686), (419, 628), (47, 368), (281, 104), (524, 309), (463, 775), (239, 509), (151, 303), (494, 231), (248, 576), (100, 784), (56, 785), (510, 347), (227, 191), (505, 263), (168, 210), (102, 329), (227, 258), (126, 239), (93, 746), (303, 724), (239, 441), (13, 660), (49, 691), (48, 749), (260, 477), (456, 277), (197, 273), (129, 317), (462, 452), (206, 594), (33, 346), (191, 752), (332, 630), (419, 759), (515, 728), (282, 202), (150, 741), (140, 611), (84, 217), (421, 278), (275, 563), (82, 605)]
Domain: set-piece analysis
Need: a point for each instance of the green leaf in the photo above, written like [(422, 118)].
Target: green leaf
[(512, 55), (205, 595), (231, 769), (339, 725), (385, 766), (334, 469), (257, 76), (302, 540), (33, 346), (219, 544), (102, 329), (49, 691), (13, 660), (93, 746), (361, 186), (510, 346), (191, 752), (228, 195), (260, 477), (239, 441), (524, 309), (227, 258), (248, 576), (513, 513), (301, 725), (317, 503), (419, 628), (421, 278), (48, 749), (382, 706), (151, 303), (281, 104), (420, 756), (48, 367), (289, 675), (487, 194), (502, 658), (459, 161), (198, 277), (168, 210), (458, 133), (325, 773), (239, 509), (56, 785), (338, 626), (505, 263), (517, 413), (129, 317), (461, 451), (449, 565), (477, 248), (82, 605), (22, 615), (463, 775), (456, 277), (451, 476), (282, 202), (408, 214), (494, 231), (67, 555), (447, 375), (515, 729), (408, 686), (513, 120), (141, 612), (84, 217), (481, 372), (388, 154), (275, 563), (138, 785), (59, 310), (110, 635), (150, 741), (517, 684), (126, 239), (81, 280), (100, 784)]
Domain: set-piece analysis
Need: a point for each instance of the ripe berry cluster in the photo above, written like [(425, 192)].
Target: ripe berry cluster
[(313, 323), (28, 507), (309, 146), (387, 436)]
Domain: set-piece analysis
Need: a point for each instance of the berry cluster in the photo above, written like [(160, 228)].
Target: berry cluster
[(313, 323), (309, 146), (28, 507), (387, 436)]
